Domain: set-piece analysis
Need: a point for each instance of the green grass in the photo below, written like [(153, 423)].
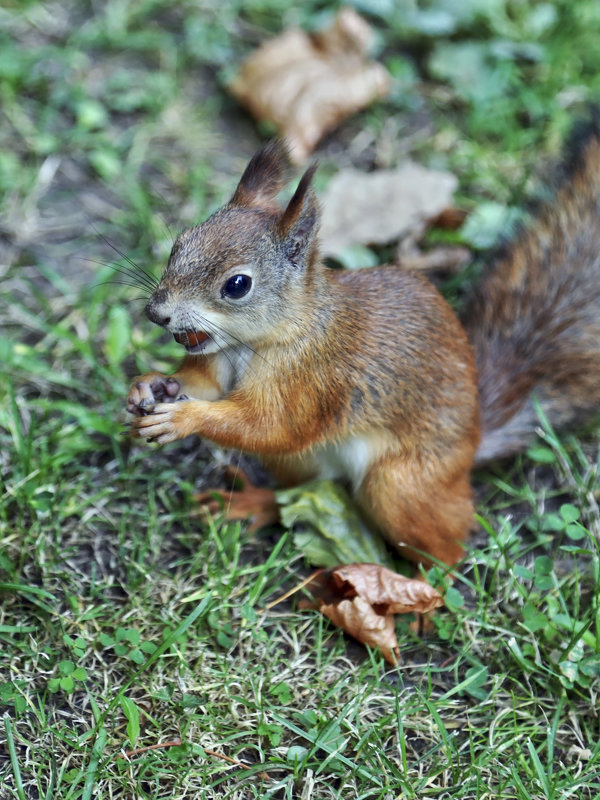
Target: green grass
[(126, 619)]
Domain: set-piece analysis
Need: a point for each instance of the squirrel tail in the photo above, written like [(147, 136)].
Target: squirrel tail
[(534, 321)]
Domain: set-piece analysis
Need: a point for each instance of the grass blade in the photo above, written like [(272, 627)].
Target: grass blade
[(90, 775), (13, 758)]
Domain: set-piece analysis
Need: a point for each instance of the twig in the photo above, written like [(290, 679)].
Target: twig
[(292, 591), (158, 746), (237, 763), (177, 742)]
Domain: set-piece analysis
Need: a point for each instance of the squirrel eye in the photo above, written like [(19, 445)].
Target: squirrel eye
[(237, 287)]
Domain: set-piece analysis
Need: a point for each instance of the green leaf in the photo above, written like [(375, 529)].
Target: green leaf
[(533, 619), (118, 335), (569, 512), (20, 703), (540, 19), (544, 576), (180, 754), (248, 612), (480, 72), (381, 8), (474, 682), (552, 523), (296, 753), (523, 573), (589, 667), (190, 700), (331, 530), (575, 532), (107, 163), (282, 692), (543, 565), (482, 229), (541, 454), (272, 731), (356, 256), (519, 655), (132, 714), (225, 641), (91, 114), (137, 656), (67, 684), (453, 599), (79, 674), (65, 667), (130, 635), (569, 669), (79, 644), (85, 417)]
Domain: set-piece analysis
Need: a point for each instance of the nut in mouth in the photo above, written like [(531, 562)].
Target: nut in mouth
[(193, 341)]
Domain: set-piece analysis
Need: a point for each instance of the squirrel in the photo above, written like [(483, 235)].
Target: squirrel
[(368, 376)]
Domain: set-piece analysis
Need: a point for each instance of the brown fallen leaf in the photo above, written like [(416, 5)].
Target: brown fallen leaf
[(306, 84), (253, 503), (450, 219), (363, 598), (448, 259), (382, 206), (358, 618)]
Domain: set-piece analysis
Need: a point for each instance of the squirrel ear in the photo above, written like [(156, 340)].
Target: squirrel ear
[(299, 223), (264, 176)]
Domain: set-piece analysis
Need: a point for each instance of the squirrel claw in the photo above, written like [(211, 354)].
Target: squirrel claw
[(149, 390), (146, 406)]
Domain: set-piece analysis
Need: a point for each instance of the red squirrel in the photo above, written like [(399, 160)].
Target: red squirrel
[(368, 376)]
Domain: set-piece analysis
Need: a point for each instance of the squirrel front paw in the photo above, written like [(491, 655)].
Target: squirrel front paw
[(166, 422), (150, 389)]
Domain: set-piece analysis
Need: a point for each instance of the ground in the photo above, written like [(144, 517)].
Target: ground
[(127, 620)]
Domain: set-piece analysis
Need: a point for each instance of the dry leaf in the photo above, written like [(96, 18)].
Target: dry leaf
[(305, 85), (450, 219), (250, 502), (358, 618), (449, 259), (382, 206), (363, 598), (387, 591)]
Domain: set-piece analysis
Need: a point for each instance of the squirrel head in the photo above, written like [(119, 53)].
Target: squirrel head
[(241, 277)]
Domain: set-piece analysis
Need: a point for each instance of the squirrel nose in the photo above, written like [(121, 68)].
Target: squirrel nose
[(155, 313)]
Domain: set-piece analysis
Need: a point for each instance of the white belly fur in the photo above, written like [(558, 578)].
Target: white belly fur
[(349, 460)]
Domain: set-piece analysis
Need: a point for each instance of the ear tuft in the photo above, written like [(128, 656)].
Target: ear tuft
[(299, 223), (264, 177)]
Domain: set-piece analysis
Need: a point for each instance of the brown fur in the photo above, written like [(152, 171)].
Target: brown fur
[(368, 376), (535, 320)]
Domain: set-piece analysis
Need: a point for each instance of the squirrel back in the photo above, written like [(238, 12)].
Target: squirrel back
[(534, 320)]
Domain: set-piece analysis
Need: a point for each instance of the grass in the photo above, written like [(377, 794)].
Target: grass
[(127, 621)]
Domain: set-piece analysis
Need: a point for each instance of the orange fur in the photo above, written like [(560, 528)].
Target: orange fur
[(368, 376)]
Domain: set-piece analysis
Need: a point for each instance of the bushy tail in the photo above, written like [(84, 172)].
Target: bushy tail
[(535, 320)]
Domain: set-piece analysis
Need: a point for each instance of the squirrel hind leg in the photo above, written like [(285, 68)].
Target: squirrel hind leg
[(421, 516)]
